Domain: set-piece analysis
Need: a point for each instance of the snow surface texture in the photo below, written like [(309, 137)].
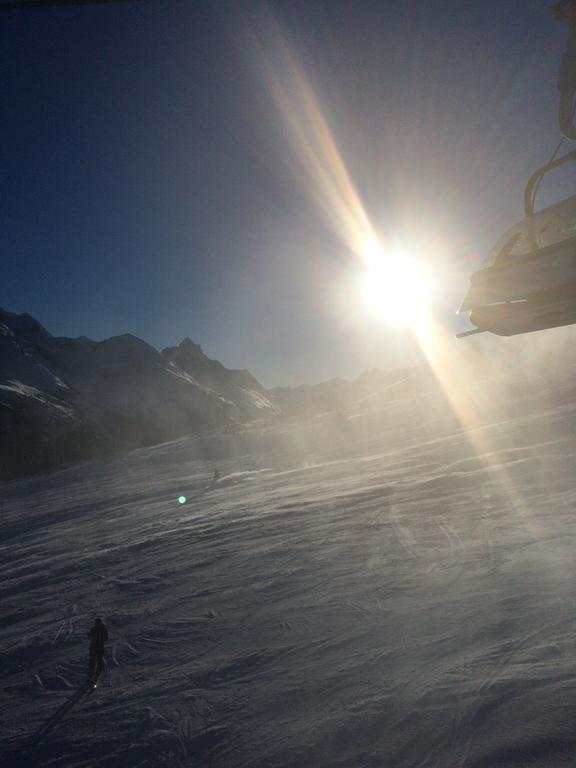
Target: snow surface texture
[(339, 598)]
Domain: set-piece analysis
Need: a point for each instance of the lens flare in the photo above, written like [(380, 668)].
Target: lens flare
[(182, 500), (393, 285), (396, 288)]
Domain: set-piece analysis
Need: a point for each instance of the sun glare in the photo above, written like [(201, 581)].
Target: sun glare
[(396, 288)]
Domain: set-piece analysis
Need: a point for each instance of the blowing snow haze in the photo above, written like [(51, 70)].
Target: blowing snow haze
[(201, 563), (368, 579), (65, 399)]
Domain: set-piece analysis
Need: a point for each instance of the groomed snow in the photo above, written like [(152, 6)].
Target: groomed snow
[(369, 603)]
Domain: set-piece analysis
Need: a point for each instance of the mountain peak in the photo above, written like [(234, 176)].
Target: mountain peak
[(188, 344), (24, 325), (187, 353), (238, 386)]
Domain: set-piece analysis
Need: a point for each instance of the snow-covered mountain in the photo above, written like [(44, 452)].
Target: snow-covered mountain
[(387, 586), (238, 386), (64, 399), (347, 397)]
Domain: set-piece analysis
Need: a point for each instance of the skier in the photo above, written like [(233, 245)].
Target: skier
[(98, 635), (215, 479)]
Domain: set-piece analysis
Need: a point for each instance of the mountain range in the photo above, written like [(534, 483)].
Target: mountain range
[(64, 400)]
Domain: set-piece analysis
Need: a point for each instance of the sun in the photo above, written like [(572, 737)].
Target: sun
[(396, 288)]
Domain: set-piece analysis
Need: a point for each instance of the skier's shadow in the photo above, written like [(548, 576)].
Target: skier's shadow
[(53, 721)]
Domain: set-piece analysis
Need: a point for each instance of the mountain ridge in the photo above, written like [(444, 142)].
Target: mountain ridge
[(65, 399), (68, 399)]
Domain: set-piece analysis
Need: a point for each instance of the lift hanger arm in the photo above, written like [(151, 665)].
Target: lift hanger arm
[(565, 11), (536, 177)]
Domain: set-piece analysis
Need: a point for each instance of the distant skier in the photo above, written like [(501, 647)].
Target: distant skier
[(215, 479), (98, 635)]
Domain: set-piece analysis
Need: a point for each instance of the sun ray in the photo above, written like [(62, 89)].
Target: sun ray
[(317, 155), (330, 185), (454, 380)]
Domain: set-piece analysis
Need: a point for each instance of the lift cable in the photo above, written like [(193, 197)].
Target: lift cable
[(25, 5)]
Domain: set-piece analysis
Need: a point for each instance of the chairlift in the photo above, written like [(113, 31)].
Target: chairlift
[(528, 281)]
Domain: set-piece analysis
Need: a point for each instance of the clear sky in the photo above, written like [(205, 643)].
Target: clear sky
[(157, 175)]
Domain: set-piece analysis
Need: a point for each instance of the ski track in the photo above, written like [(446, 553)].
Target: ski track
[(393, 606)]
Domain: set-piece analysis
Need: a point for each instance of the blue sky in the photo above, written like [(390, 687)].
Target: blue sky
[(148, 182)]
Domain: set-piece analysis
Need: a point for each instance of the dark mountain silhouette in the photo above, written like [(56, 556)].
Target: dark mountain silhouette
[(65, 399), (238, 386)]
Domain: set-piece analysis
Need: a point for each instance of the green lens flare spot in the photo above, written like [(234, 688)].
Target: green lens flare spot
[(182, 499)]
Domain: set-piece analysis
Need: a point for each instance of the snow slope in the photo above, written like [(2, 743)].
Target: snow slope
[(64, 400), (346, 596)]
